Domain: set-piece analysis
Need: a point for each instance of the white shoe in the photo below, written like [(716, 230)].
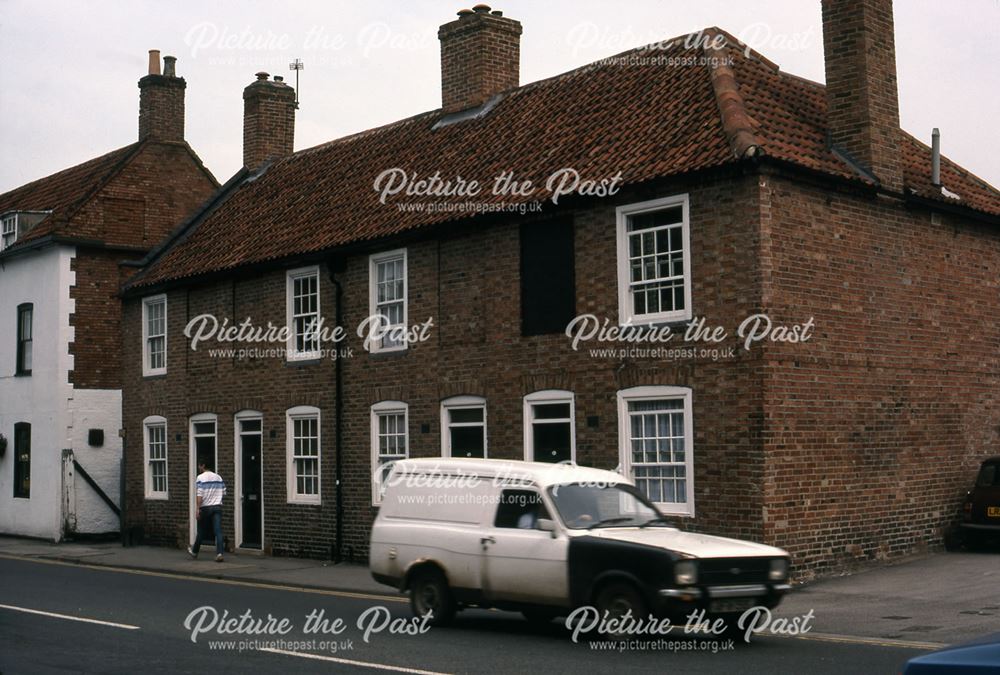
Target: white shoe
[(194, 556)]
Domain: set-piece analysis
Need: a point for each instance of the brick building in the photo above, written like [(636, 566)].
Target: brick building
[(718, 188), (64, 237)]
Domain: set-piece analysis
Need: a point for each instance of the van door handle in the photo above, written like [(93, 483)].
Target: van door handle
[(487, 540)]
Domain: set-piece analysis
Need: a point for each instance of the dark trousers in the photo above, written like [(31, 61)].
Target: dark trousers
[(209, 516)]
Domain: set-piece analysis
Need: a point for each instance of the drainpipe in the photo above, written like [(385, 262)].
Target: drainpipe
[(335, 265)]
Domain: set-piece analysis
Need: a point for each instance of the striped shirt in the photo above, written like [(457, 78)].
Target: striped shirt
[(211, 488)]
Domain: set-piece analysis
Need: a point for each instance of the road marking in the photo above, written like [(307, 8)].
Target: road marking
[(875, 642), (53, 615), (352, 662), (192, 577)]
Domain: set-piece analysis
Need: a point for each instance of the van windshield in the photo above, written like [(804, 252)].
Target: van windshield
[(583, 507)]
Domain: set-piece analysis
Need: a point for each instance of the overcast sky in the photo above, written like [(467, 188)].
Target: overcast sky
[(68, 70)]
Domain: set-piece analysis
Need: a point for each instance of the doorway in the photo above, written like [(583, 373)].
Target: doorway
[(249, 480)]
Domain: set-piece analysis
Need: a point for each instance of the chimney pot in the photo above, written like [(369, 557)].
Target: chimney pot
[(279, 78), (262, 75), (496, 12), (169, 66), (154, 62), (480, 57)]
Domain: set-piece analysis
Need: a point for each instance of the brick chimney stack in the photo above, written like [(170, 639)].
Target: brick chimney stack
[(268, 120), (862, 100), (480, 56), (161, 101)]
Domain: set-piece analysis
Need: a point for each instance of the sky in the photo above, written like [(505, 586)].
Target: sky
[(69, 70)]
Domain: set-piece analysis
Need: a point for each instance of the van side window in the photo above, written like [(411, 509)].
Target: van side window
[(520, 509)]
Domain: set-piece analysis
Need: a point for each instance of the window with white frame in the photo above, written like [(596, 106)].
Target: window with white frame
[(655, 445), (303, 446), (390, 442), (463, 427), (654, 261), (154, 335), (8, 230), (549, 428), (387, 298), (303, 313), (155, 446)]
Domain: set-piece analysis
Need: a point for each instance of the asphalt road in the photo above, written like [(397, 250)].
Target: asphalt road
[(136, 622)]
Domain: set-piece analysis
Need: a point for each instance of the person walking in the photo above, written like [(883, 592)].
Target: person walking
[(211, 489)]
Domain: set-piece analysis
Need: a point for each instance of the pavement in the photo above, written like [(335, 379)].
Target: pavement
[(931, 601), (248, 567)]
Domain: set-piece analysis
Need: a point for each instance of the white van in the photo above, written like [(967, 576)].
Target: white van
[(544, 539)]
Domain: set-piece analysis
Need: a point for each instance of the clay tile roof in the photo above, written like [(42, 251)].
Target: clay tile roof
[(63, 193), (646, 121), (972, 192)]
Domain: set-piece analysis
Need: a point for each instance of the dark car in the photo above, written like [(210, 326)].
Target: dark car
[(978, 656), (981, 511)]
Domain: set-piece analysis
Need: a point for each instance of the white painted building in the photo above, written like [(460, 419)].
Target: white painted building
[(40, 406)]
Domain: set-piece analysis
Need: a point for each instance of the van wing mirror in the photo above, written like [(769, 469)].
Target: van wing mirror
[(546, 525)]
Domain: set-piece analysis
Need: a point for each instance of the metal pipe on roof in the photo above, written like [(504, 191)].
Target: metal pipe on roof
[(936, 157)]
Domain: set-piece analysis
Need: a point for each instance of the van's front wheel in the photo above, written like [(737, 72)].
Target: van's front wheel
[(616, 601), (429, 594)]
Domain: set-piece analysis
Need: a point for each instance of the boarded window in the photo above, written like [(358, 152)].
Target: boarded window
[(548, 288)]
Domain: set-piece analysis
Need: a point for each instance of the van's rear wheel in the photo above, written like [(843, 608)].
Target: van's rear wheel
[(616, 600), (429, 594)]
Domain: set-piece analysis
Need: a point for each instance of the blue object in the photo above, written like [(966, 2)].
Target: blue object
[(979, 656)]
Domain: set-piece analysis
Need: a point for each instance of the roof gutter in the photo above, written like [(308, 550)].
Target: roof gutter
[(956, 209)]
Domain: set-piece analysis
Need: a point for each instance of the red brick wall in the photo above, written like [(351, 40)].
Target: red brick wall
[(873, 432), (136, 209), (196, 382), (469, 284)]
